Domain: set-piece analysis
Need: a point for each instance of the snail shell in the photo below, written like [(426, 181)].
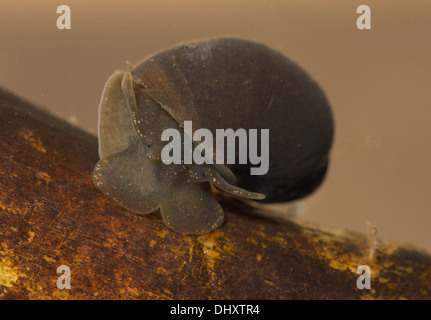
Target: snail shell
[(219, 83)]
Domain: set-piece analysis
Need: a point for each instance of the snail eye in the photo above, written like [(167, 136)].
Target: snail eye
[(199, 173), (201, 176), (148, 149)]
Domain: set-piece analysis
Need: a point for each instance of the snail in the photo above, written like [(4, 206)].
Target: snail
[(216, 84)]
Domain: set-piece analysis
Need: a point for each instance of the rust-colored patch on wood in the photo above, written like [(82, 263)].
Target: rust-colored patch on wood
[(51, 215), (32, 139)]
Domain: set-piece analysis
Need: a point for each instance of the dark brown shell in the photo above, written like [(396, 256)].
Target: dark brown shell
[(233, 83)]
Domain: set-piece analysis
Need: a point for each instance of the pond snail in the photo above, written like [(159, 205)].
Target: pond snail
[(216, 84)]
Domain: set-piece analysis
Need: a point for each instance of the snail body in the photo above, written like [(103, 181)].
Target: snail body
[(216, 84)]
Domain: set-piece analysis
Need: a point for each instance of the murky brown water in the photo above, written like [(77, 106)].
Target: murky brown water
[(378, 82)]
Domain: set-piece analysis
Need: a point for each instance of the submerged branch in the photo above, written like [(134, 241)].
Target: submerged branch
[(52, 215)]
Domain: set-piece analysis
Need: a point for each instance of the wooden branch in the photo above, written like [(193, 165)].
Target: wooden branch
[(52, 215)]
